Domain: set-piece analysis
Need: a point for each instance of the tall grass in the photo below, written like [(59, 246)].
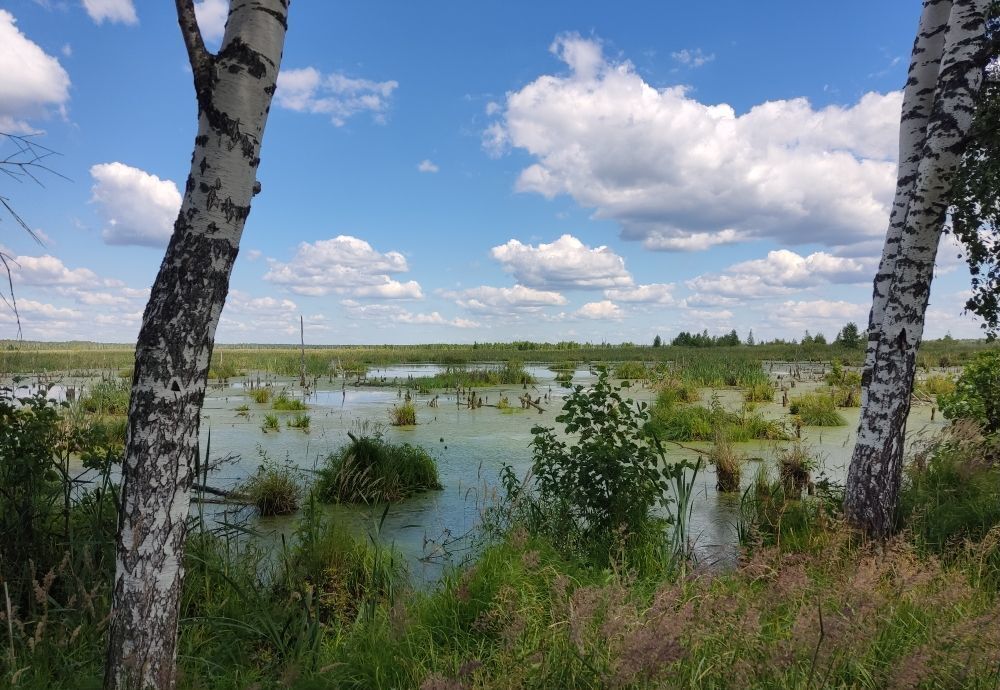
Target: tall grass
[(108, 396), (672, 421), (403, 415), (728, 464), (371, 469), (817, 409), (272, 489), (284, 403), (261, 396)]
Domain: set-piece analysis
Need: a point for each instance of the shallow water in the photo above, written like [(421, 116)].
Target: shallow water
[(471, 446)]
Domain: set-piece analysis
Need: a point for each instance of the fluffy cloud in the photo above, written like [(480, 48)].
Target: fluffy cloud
[(212, 16), (48, 271), (138, 208), (781, 272), (391, 313), (668, 167), (603, 310), (654, 293), (501, 300), (122, 11), (31, 81), (427, 166), (308, 90), (246, 314), (566, 263), (343, 264)]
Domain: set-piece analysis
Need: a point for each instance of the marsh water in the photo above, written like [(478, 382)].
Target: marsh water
[(471, 446)]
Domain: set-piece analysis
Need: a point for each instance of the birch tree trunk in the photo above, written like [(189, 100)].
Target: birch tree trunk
[(234, 90), (946, 71)]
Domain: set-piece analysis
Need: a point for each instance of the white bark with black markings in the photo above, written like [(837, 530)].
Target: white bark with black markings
[(946, 72), (234, 90)]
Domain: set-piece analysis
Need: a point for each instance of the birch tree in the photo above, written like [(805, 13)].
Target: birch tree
[(939, 103), (234, 89)]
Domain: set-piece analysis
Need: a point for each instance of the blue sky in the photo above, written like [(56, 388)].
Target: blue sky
[(455, 171)]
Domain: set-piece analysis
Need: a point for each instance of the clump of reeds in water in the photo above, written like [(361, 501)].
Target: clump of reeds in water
[(299, 421), (371, 469), (273, 489), (728, 464), (403, 415), (270, 423), (260, 396), (817, 409), (107, 396), (759, 391), (283, 403), (631, 370), (795, 466)]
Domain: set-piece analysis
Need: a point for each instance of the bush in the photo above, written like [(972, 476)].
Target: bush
[(403, 415), (370, 469), (601, 490), (272, 489), (817, 409), (977, 393)]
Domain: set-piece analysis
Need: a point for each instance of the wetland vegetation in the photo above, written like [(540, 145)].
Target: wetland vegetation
[(591, 572)]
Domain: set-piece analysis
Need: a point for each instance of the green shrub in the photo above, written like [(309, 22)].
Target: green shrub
[(403, 415), (977, 393), (370, 469), (600, 491), (272, 489), (817, 409)]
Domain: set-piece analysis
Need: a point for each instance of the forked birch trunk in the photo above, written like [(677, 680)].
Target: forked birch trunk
[(234, 90), (946, 71)]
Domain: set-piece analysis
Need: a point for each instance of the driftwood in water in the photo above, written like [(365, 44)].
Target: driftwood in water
[(228, 495)]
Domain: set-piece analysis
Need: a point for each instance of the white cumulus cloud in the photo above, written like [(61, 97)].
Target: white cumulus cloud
[(603, 310), (112, 11), (310, 91), (32, 82), (680, 174), (212, 16), (654, 293), (427, 166), (346, 265), (487, 299), (566, 263), (138, 208)]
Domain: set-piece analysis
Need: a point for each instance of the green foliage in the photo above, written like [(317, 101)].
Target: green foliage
[(849, 336), (935, 385), (510, 373), (774, 513), (977, 393), (371, 469), (270, 423), (599, 488), (403, 415), (222, 372), (817, 409)]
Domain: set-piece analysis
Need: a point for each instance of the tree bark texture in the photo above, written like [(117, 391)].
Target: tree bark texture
[(939, 103), (234, 90)]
